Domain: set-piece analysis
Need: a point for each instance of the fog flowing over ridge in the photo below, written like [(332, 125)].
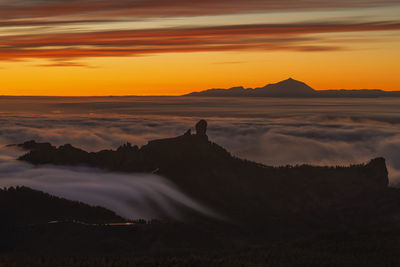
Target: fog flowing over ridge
[(271, 131), (133, 196)]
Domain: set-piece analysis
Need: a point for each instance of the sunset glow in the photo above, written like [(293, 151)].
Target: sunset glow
[(175, 47)]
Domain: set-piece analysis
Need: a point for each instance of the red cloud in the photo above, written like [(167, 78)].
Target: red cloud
[(148, 8), (138, 42)]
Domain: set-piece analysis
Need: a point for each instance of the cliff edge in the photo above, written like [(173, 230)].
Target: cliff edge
[(234, 187)]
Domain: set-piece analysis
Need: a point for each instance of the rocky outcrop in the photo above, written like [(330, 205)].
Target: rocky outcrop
[(236, 188), (201, 128), (378, 173)]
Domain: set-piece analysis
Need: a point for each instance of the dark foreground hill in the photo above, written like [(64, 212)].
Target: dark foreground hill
[(286, 216), (22, 206), (292, 88)]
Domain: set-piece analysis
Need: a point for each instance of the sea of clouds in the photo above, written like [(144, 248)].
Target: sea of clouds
[(273, 132)]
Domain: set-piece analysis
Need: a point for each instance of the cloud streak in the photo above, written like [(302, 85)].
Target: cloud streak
[(65, 31), (251, 37), (161, 8)]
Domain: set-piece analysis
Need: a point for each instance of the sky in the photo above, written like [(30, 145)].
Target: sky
[(159, 47)]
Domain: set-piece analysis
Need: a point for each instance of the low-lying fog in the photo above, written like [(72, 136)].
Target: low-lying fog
[(269, 130), (133, 196)]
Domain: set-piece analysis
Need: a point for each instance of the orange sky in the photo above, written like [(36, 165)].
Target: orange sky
[(91, 48)]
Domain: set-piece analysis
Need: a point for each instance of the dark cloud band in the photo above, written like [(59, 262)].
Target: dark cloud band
[(161, 8), (253, 37)]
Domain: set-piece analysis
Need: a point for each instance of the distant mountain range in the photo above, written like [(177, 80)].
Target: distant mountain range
[(292, 88)]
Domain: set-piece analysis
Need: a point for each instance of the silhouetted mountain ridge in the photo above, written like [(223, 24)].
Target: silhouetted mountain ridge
[(239, 189), (292, 88)]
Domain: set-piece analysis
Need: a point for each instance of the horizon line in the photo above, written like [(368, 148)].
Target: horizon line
[(177, 95)]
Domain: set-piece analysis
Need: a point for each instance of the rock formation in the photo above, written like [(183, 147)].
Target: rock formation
[(201, 128), (236, 188)]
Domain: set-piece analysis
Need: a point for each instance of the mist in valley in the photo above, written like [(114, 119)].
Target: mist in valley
[(270, 131)]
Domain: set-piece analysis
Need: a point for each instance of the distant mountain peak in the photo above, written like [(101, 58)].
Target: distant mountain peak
[(289, 88), (288, 80), (292, 82)]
